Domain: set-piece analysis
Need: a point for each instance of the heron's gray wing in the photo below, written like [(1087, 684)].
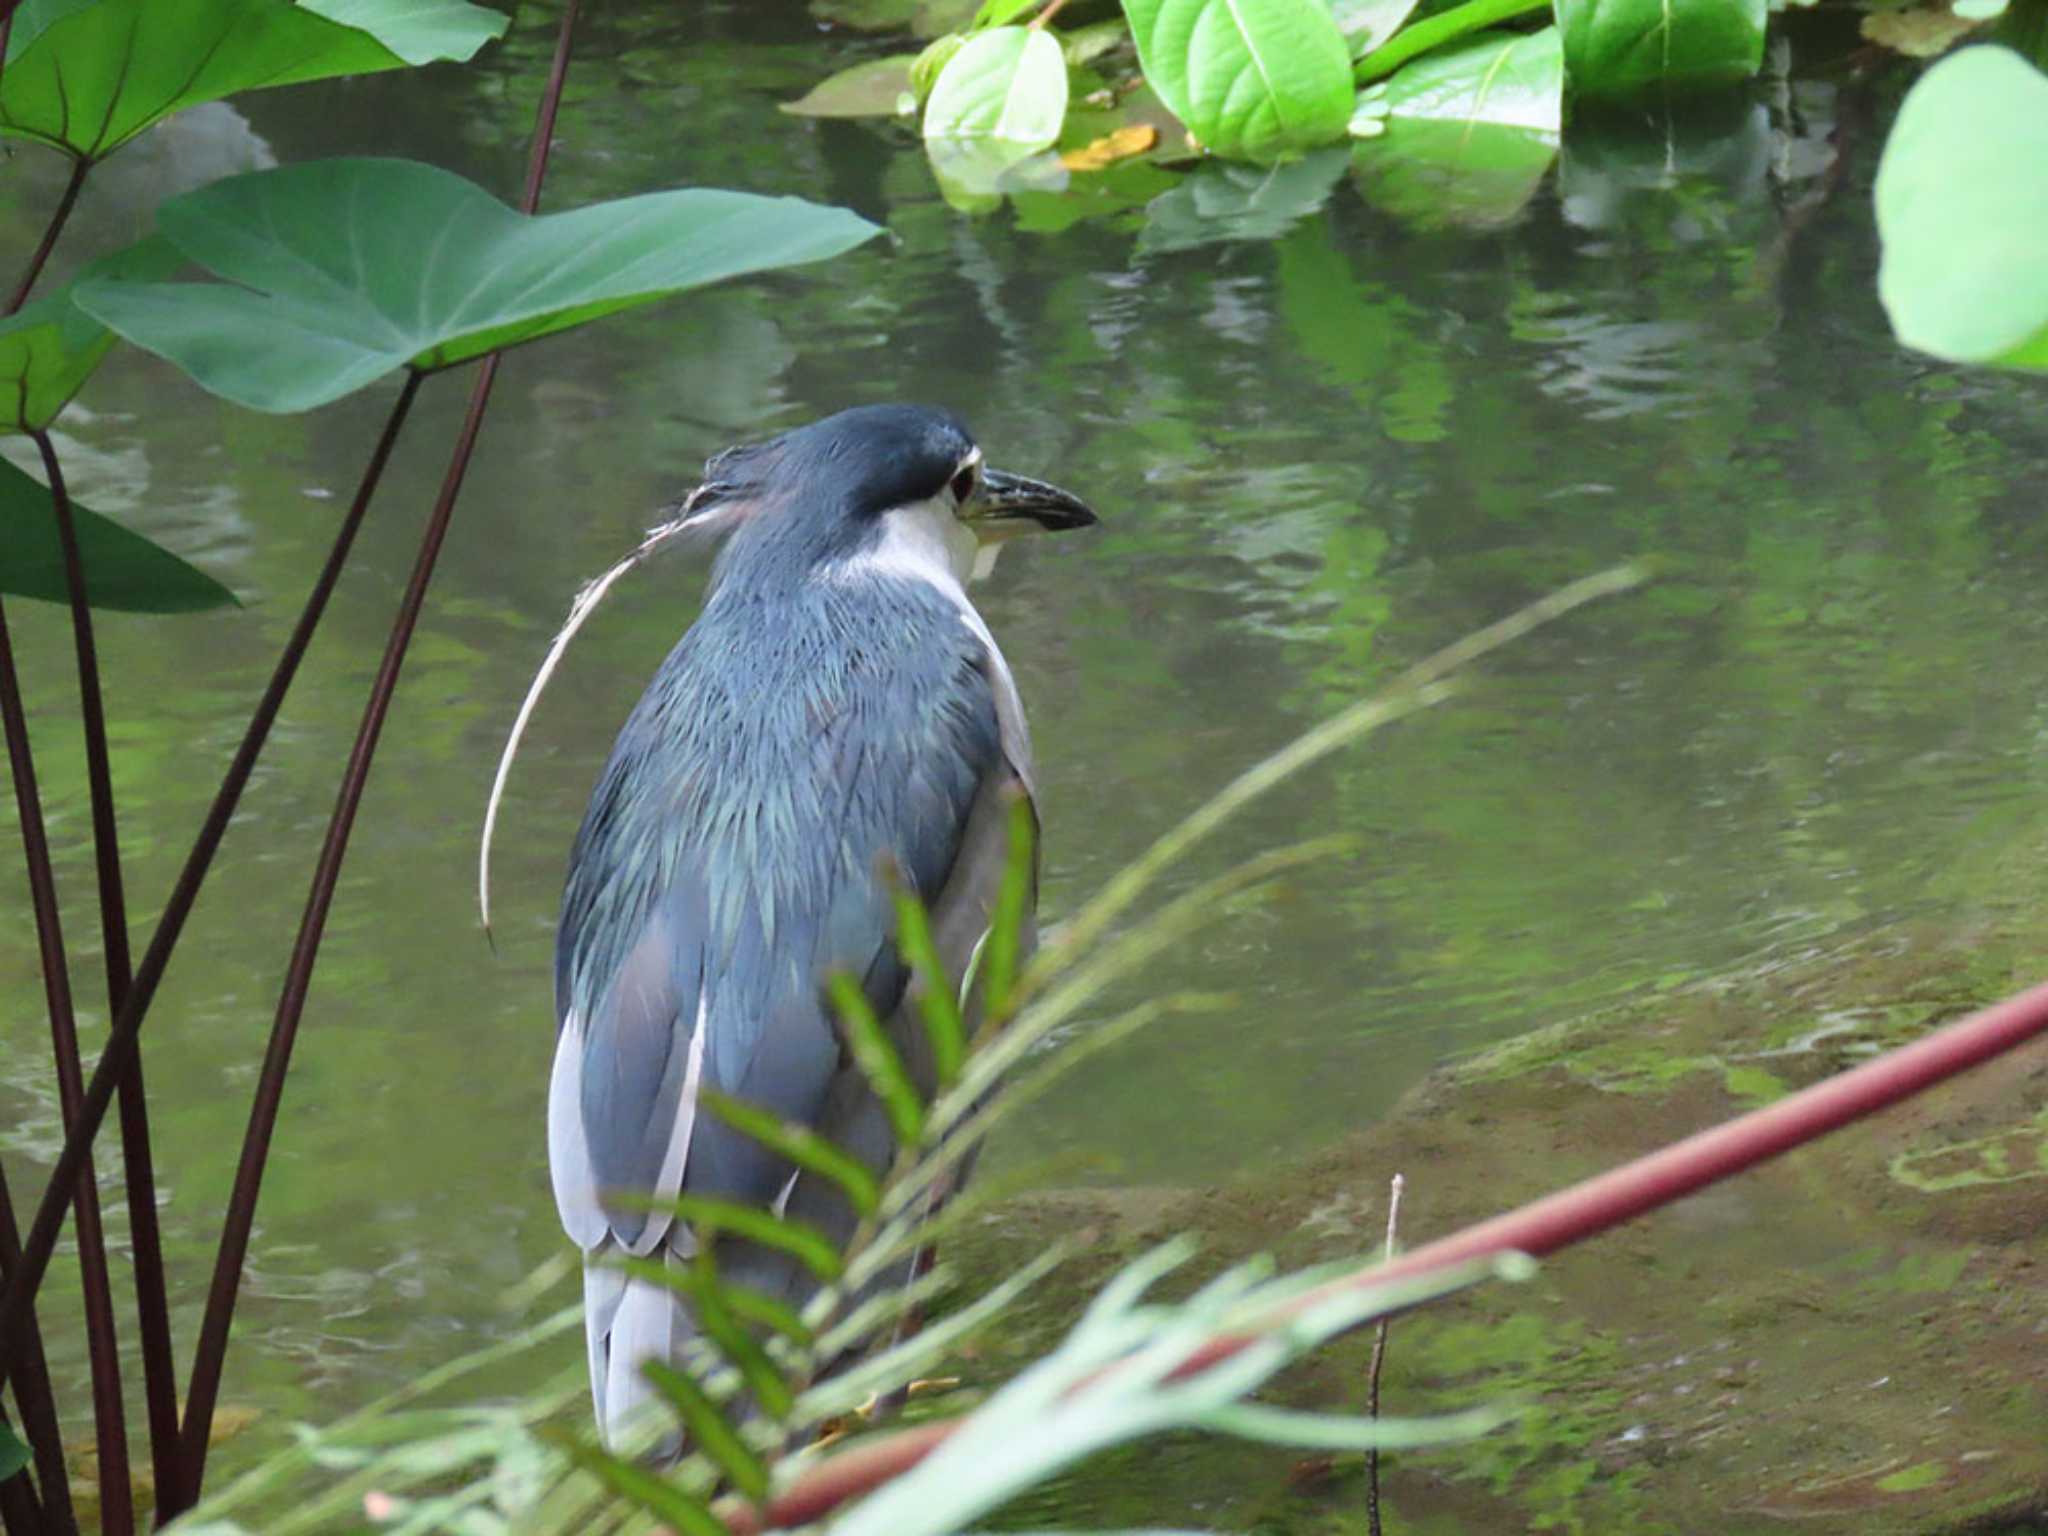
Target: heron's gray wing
[(734, 910)]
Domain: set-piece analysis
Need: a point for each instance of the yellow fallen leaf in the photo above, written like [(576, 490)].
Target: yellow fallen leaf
[(1133, 139)]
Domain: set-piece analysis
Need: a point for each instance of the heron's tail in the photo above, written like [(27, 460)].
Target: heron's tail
[(627, 1321)]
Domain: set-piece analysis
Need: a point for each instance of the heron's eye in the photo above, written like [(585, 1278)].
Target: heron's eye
[(963, 483)]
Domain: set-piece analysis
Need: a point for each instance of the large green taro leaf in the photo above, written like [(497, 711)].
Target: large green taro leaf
[(88, 78), (339, 271), (49, 348), (1622, 48), (1962, 212), (1251, 78), (123, 570)]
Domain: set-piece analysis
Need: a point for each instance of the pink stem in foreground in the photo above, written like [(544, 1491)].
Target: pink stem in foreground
[(1544, 1226)]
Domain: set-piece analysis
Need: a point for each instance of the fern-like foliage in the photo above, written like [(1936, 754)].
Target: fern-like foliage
[(756, 1388)]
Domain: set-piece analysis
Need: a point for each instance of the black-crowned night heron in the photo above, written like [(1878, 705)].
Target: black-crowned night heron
[(838, 710)]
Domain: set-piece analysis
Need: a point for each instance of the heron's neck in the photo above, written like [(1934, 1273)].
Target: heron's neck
[(923, 541)]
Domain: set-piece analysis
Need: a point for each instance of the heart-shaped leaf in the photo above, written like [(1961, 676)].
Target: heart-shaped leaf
[(1962, 212), (49, 348), (339, 271), (123, 570), (87, 78), (1008, 84), (1620, 48), (1513, 79), (1251, 78)]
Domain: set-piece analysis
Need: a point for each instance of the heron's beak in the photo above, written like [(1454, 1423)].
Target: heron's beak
[(1006, 505)]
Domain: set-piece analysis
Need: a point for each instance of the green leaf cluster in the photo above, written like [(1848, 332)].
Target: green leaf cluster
[(1266, 81)]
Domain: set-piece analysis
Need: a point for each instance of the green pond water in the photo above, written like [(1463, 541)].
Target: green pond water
[(1325, 439)]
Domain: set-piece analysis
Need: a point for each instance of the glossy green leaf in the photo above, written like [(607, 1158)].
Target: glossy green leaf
[(1437, 174), (869, 89), (48, 349), (1009, 84), (340, 271), (1251, 78), (1368, 23), (1511, 79), (1620, 48), (124, 572), (1962, 212), (14, 1453), (88, 78)]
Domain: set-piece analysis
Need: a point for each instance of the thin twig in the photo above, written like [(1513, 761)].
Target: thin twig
[(33, 1397), (122, 1039), (211, 1350), (152, 1305), (1379, 1358), (1044, 18), (80, 169), (117, 1513)]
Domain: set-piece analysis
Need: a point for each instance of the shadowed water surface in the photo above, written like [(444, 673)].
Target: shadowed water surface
[(1324, 440)]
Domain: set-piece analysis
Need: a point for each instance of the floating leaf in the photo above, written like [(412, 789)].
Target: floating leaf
[(870, 89), (123, 571), (1441, 174), (87, 79), (48, 349), (1251, 78), (1962, 212), (1121, 144), (1513, 79), (1368, 23), (1619, 48), (339, 271), (1009, 85)]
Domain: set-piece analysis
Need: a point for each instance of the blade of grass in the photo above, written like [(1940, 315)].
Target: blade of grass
[(931, 989), (878, 1059), (709, 1429), (800, 1145)]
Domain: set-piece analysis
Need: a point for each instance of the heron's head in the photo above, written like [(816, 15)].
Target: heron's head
[(881, 486)]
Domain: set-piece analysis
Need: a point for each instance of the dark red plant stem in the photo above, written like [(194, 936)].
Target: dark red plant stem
[(1544, 1226), (80, 169), (211, 1351), (121, 1045), (33, 1397), (152, 1304), (117, 1512)]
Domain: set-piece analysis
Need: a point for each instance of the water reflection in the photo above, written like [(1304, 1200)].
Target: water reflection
[(1325, 441)]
